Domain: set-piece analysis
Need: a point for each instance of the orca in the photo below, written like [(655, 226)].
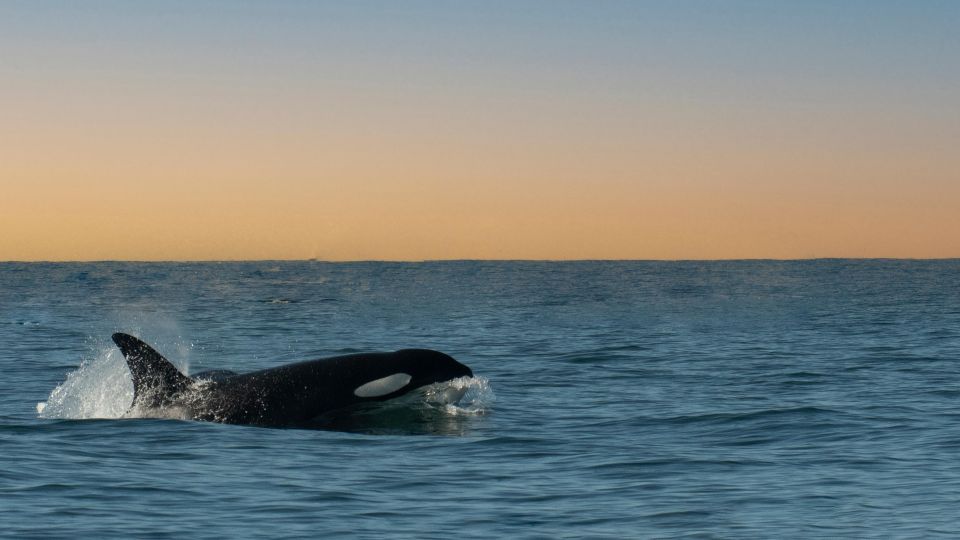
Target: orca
[(289, 395)]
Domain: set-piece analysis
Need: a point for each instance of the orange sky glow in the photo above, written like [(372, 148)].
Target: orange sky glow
[(619, 131)]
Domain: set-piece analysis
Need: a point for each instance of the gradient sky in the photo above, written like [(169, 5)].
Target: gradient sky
[(518, 130)]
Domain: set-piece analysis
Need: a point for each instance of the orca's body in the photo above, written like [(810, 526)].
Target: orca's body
[(289, 395)]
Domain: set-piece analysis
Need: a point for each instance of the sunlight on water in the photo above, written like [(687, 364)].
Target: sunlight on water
[(99, 388)]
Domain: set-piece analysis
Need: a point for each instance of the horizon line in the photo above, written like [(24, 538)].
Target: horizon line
[(420, 261)]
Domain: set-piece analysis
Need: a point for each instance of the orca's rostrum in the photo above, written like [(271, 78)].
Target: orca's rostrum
[(289, 395)]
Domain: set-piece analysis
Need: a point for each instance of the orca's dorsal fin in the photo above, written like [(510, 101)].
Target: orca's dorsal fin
[(155, 379)]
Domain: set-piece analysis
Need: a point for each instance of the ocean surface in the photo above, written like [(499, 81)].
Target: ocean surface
[(741, 399)]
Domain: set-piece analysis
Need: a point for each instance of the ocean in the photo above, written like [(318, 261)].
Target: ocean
[(726, 399)]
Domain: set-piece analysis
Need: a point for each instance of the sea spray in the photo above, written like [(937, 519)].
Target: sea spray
[(463, 395), (99, 388)]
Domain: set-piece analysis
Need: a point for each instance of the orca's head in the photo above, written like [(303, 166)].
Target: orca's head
[(410, 369), (427, 367)]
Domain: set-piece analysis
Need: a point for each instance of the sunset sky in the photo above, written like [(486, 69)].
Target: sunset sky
[(202, 130)]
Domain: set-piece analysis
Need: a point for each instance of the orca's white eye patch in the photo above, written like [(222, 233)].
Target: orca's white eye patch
[(384, 386)]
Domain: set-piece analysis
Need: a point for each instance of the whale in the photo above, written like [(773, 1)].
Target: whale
[(290, 395)]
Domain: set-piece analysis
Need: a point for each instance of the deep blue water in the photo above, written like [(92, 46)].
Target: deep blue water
[(751, 399)]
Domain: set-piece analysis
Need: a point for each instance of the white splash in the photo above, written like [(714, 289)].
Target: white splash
[(185, 408), (99, 388), (461, 396)]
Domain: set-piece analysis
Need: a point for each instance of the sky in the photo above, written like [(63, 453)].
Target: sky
[(216, 130)]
